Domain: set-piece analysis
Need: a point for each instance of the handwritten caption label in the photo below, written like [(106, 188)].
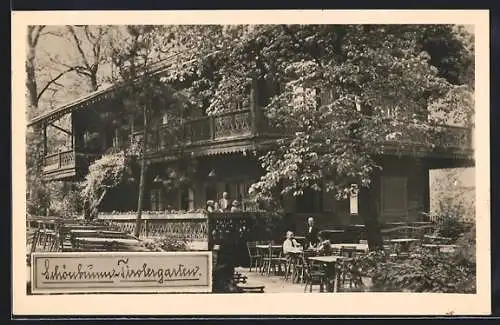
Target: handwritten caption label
[(121, 272)]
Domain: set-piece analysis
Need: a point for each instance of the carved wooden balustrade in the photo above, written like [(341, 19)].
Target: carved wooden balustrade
[(65, 163), (441, 137), (183, 226)]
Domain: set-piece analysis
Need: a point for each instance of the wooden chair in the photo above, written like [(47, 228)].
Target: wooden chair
[(313, 275), (31, 244), (348, 270), (273, 259), (292, 262), (254, 256)]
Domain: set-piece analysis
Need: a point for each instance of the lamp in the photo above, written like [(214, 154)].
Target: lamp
[(157, 179), (212, 173)]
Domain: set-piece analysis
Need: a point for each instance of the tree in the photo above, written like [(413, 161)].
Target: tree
[(48, 71), (147, 93), (341, 92)]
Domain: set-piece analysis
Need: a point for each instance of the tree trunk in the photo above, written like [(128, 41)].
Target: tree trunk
[(369, 213), (31, 85), (142, 177), (93, 81)]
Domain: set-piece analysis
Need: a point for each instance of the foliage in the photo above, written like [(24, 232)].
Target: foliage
[(451, 195), (362, 110), (166, 245), (104, 174), (467, 246), (451, 227), (423, 271), (65, 201)]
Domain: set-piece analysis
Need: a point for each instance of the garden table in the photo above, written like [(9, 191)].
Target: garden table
[(108, 240), (358, 247), (404, 242), (332, 231), (296, 250), (330, 262), (440, 247), (437, 238), (261, 246), (76, 232), (102, 243)]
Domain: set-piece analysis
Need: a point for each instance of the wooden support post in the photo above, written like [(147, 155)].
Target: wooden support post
[(211, 123), (254, 106), (44, 139)]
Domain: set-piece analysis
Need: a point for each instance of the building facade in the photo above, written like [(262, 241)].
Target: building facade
[(224, 150)]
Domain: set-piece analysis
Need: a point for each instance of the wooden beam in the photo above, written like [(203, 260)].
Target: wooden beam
[(61, 129)]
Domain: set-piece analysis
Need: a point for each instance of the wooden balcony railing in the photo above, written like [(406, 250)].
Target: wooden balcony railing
[(441, 138), (59, 160), (242, 123), (66, 160), (204, 129)]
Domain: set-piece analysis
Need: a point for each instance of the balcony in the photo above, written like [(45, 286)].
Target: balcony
[(242, 129), (66, 165), (236, 129), (446, 141)]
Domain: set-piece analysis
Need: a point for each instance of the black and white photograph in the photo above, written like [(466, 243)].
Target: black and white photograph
[(246, 159)]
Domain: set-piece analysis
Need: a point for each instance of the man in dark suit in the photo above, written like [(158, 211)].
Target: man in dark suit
[(311, 233)]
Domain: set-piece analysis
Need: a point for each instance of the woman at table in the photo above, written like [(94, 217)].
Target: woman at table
[(324, 247), (290, 243)]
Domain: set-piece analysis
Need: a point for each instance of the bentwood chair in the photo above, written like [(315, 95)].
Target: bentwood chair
[(314, 274), (254, 255), (349, 271), (273, 259)]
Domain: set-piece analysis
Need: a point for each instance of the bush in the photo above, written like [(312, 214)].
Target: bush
[(421, 272), (451, 227), (166, 245)]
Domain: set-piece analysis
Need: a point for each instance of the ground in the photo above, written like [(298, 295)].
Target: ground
[(274, 283)]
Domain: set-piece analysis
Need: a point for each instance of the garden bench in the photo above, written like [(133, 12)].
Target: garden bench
[(250, 288)]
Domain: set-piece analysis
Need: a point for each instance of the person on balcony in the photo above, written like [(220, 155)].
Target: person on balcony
[(235, 206), (224, 202), (217, 207), (311, 233), (210, 206), (290, 244)]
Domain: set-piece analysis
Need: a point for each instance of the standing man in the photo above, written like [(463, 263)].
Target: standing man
[(224, 202), (311, 233)]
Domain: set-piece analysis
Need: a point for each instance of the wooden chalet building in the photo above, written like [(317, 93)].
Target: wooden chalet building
[(226, 147)]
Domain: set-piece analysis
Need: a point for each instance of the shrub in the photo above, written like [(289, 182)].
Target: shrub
[(423, 271), (451, 227), (166, 245)]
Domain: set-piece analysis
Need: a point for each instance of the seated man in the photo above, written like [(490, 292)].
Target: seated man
[(324, 246), (290, 243)]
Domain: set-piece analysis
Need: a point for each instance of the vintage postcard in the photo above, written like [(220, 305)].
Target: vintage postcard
[(251, 162)]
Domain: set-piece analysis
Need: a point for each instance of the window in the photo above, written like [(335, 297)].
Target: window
[(394, 196), (156, 200)]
